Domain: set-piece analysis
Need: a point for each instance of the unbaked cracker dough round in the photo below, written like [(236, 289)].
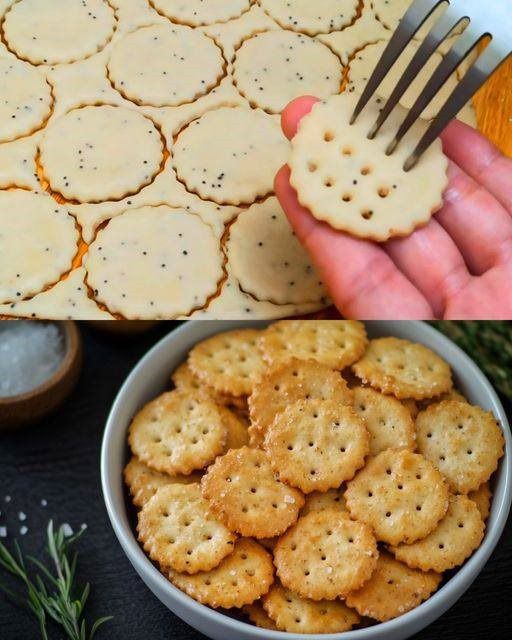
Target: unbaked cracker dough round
[(311, 16), (201, 12), (365, 61), (165, 65), (59, 31), (268, 260), (154, 263), (348, 181), (273, 68), (38, 241), (101, 153), (230, 155), (25, 99)]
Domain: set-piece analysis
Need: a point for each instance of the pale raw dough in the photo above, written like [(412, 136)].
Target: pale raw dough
[(25, 101), (311, 16), (273, 68), (66, 31), (100, 153), (268, 260), (154, 263), (201, 12), (165, 65), (348, 181), (67, 299), (38, 241), (230, 155)]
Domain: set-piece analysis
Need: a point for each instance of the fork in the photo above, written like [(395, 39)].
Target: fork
[(480, 20)]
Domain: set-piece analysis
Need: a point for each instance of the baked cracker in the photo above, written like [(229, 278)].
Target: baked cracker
[(321, 16)]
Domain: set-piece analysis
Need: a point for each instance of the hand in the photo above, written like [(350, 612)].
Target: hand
[(459, 266)]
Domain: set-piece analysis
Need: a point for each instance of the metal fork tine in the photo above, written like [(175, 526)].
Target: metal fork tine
[(446, 67), (441, 30), (487, 63), (410, 24)]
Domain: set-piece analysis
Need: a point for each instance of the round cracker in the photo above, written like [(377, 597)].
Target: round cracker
[(165, 65), (244, 152), (482, 498), (455, 538), (38, 242), (285, 384), (463, 441), (229, 362), (143, 482), (259, 617), (154, 262), (178, 432), (72, 30), (315, 445), (183, 378), (201, 12), (347, 179), (392, 590), (237, 429), (298, 615), (274, 67), (178, 531), (77, 157), (325, 555), (26, 99), (321, 501), (403, 369), (389, 423), (335, 343), (321, 16), (244, 494), (400, 494), (268, 260), (243, 577)]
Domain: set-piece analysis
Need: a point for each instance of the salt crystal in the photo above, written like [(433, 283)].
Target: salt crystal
[(83, 526), (30, 353), (22, 516), (43, 503), (67, 530), (7, 498), (328, 569), (3, 532), (289, 499), (23, 530), (232, 572)]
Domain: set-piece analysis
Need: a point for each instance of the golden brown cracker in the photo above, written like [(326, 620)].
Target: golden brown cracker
[(237, 428), (315, 445), (318, 501), (389, 423), (184, 379), (412, 407), (258, 616), (325, 555), (455, 538), (244, 494), (403, 369), (463, 441), (178, 432), (177, 530), (242, 577), (482, 498), (400, 494), (298, 615), (392, 590)]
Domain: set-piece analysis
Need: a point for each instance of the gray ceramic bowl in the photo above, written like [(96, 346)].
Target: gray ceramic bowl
[(151, 376)]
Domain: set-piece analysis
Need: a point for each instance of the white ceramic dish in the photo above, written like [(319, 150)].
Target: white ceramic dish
[(151, 376)]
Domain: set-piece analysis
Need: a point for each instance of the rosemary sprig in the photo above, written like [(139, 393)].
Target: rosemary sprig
[(51, 594)]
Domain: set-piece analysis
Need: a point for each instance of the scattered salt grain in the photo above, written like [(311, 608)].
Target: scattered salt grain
[(30, 353), (7, 498), (289, 499), (83, 526), (232, 572), (3, 532), (23, 530), (328, 569), (67, 530), (22, 516), (44, 503)]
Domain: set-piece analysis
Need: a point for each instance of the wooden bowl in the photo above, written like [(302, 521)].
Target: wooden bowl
[(27, 408)]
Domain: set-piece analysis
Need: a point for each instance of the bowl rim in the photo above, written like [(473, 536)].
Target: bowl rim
[(430, 609)]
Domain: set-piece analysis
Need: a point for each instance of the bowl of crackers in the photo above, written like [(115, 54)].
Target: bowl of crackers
[(307, 477)]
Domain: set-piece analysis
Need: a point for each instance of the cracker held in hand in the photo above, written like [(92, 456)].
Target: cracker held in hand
[(298, 615), (400, 495), (463, 441), (143, 482), (392, 590), (335, 343), (178, 432), (325, 555), (458, 534), (348, 181), (244, 494), (243, 577), (322, 501), (388, 421), (315, 445), (229, 362), (321, 16), (403, 369), (178, 531), (201, 12), (285, 384)]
